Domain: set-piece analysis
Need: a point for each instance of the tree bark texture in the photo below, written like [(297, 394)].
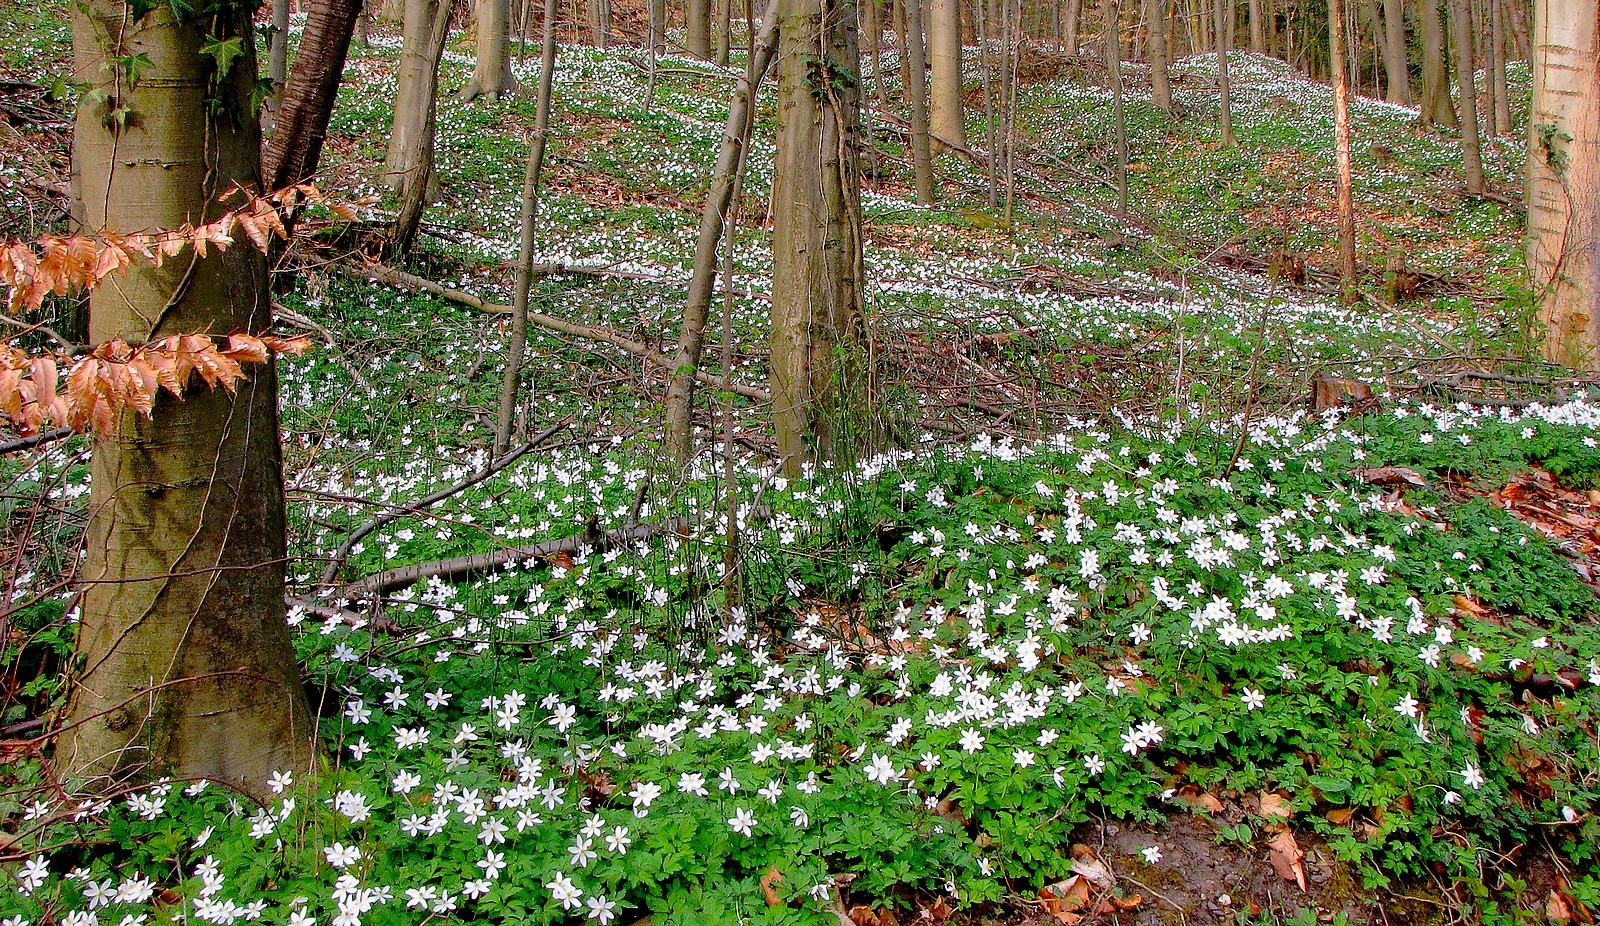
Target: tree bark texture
[(1436, 106), (1497, 68), (186, 664), (1258, 28), (697, 28), (417, 83), (1471, 147), (491, 74), (1224, 12), (819, 361), (1563, 182), (1155, 13), (703, 281), (306, 104), (505, 419), (278, 46), (1341, 147), (917, 98), (417, 176), (946, 116), (1395, 60)]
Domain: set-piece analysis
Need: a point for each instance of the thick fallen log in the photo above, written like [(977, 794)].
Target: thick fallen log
[(381, 273)]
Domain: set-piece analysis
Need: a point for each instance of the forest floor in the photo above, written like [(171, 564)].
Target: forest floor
[(1120, 632)]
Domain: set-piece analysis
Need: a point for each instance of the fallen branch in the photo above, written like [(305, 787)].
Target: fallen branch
[(285, 314), (27, 443), (416, 507), (384, 274), (460, 567)]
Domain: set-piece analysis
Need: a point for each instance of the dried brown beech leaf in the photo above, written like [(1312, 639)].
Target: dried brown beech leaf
[(1287, 856)]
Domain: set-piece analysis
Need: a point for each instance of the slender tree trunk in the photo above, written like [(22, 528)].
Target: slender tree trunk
[(1013, 44), (1112, 15), (1497, 68), (417, 79), (1471, 149), (417, 177), (278, 48), (874, 10), (491, 76), (186, 667), (600, 22), (1564, 180), (697, 28), (1341, 145), (946, 117), (1436, 106), (306, 103), (917, 97), (506, 419), (702, 284), (990, 127), (819, 363), (1394, 52), (1069, 25), (658, 26), (1258, 28), (1224, 12), (1155, 13), (1520, 31), (723, 31)]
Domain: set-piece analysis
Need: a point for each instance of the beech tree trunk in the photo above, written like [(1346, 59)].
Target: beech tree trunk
[(1224, 14), (1069, 25), (1497, 68), (946, 116), (1395, 60), (1436, 106), (491, 74), (1471, 149), (416, 176), (819, 363), (278, 46), (1155, 14), (417, 84), (306, 103), (1112, 14), (186, 667), (916, 71), (1563, 182), (697, 28), (1341, 147), (1258, 28), (702, 284), (506, 418)]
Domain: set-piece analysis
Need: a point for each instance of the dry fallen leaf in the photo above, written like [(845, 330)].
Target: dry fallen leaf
[(1275, 805), (1287, 856), (1341, 816), (1094, 870), (769, 879)]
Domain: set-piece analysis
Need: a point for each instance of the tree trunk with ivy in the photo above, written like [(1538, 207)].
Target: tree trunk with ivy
[(185, 666), (819, 364), (1563, 181)]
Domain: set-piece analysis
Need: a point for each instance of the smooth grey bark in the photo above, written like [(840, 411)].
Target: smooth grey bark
[(1563, 180), (1111, 13), (185, 667), (697, 28), (1436, 105), (1395, 61), (1258, 28), (703, 282), (1341, 146), (1224, 13), (1156, 49), (1501, 118), (821, 394), (417, 83), (505, 419), (946, 115), (916, 71), (491, 73), (417, 180), (1471, 146), (278, 47)]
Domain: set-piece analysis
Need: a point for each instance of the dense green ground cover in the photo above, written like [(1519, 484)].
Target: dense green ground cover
[(939, 668)]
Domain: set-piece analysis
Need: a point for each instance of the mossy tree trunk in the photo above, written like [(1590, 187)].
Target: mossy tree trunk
[(819, 365), (186, 667)]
